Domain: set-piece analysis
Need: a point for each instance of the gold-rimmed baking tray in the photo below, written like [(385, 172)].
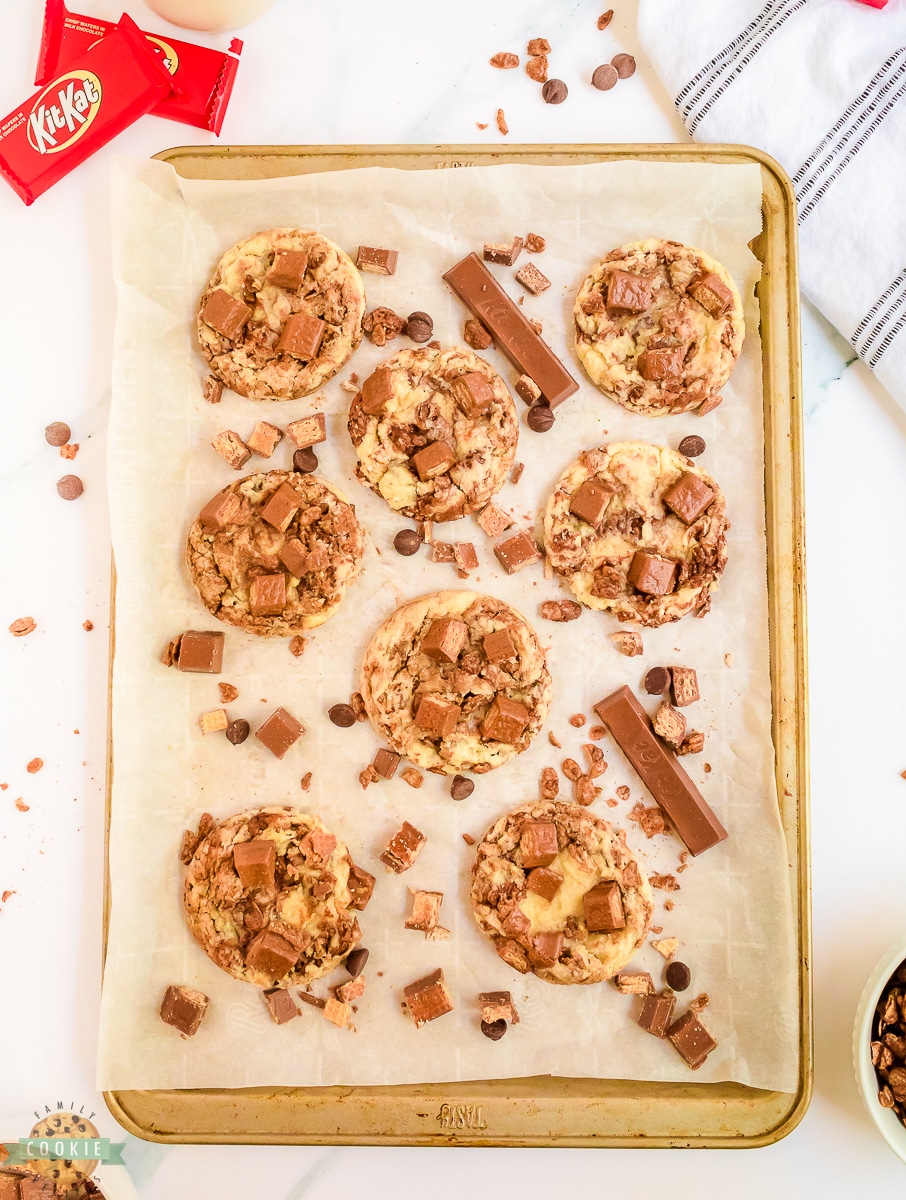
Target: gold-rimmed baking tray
[(551, 1111)]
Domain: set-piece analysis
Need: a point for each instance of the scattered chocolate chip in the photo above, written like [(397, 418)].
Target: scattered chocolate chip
[(237, 732), (419, 327), (494, 1029), (625, 65), (678, 976), (540, 418), (605, 77), (342, 715), (57, 434), (305, 461), (407, 542), (355, 961), (692, 446), (554, 91), (605, 19), (70, 487), (461, 788), (657, 681)]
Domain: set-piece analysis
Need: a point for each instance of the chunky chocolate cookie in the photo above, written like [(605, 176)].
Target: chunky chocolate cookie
[(267, 897), (659, 327), (639, 531), (560, 894), (456, 681), (435, 432), (281, 314), (274, 552)]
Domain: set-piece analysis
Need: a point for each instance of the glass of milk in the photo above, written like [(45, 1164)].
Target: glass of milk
[(215, 15)]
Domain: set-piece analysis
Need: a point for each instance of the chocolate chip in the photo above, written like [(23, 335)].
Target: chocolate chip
[(540, 418), (237, 731), (461, 788), (494, 1029), (407, 542), (692, 446), (419, 327), (305, 461), (57, 434), (678, 976), (657, 681), (605, 77), (342, 715), (554, 91), (70, 487), (355, 961), (625, 65)]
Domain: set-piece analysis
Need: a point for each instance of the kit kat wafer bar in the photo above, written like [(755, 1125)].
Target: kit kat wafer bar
[(482, 294), (689, 812)]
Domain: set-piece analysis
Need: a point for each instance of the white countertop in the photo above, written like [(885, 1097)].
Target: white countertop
[(354, 71)]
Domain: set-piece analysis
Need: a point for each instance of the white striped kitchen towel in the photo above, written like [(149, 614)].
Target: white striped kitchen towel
[(821, 86)]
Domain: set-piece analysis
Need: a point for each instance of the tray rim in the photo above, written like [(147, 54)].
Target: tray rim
[(792, 1106)]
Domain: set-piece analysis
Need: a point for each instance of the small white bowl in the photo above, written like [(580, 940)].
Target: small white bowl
[(892, 1130)]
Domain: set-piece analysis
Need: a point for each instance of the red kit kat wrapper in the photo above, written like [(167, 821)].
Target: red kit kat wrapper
[(108, 87), (202, 78)]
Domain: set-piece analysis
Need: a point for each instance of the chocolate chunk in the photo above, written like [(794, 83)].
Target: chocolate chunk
[(669, 724), (505, 254), (657, 681), (280, 1004), (543, 883), (200, 651), (671, 787), (271, 954), (506, 720), (602, 906), (591, 501), (604, 77), (403, 848), (517, 551), (472, 393), (342, 715), (288, 270), (504, 61), (692, 446), (265, 439), (308, 431), (355, 961), (655, 1014), (532, 279), (183, 1008), (407, 542), (494, 1029), (546, 949), (709, 405), (428, 998), (493, 520), (281, 507), (301, 335), (465, 557), (445, 639), (70, 487), (475, 335), (226, 508), (678, 976), (267, 595), (425, 911), (685, 686), (634, 983), (712, 294), (230, 446), (255, 862), (294, 557), (376, 391), (361, 887), (225, 315), (498, 646), (625, 65), (419, 327), (689, 497), (538, 844), (527, 390), (279, 732), (627, 292), (659, 365), (442, 552), (461, 788), (57, 434), (691, 1039), (305, 461), (437, 717), (212, 390), (540, 418), (386, 763), (237, 731), (554, 91), (651, 574), (510, 328), (314, 1001), (498, 1006), (433, 460), (377, 260)]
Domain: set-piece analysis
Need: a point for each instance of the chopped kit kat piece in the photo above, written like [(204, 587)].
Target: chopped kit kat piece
[(214, 722), (603, 907), (666, 947), (271, 954), (428, 998), (280, 1004), (634, 983), (200, 651), (505, 721), (658, 365), (651, 574), (498, 1006), (712, 294), (183, 1008), (693, 743), (279, 732), (499, 646), (503, 253), (689, 497), (265, 439), (628, 293), (527, 390), (267, 595), (493, 520), (655, 1014), (472, 393), (226, 508), (385, 763), (281, 507), (225, 315), (255, 862), (308, 431), (414, 778), (403, 848), (669, 724), (377, 260), (517, 551), (691, 1039), (475, 335), (230, 446), (433, 460), (442, 552), (213, 389), (465, 557), (301, 335), (543, 883), (347, 992), (288, 270), (438, 717), (444, 640), (425, 911), (561, 610), (538, 844), (546, 949), (685, 686), (361, 887), (376, 391), (532, 279), (591, 501)]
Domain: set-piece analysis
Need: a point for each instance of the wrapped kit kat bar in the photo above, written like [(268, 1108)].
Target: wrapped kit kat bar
[(110, 85), (202, 78)]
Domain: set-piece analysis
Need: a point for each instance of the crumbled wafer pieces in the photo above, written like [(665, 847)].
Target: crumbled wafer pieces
[(692, 1040), (527, 390), (498, 1006), (337, 1012), (377, 260), (413, 777), (381, 325), (628, 642), (532, 279), (215, 721), (634, 983), (503, 253), (493, 520), (685, 686), (669, 724), (228, 693), (666, 947), (230, 446), (428, 998), (361, 886), (308, 431), (550, 784), (425, 911), (475, 335), (347, 992), (403, 848), (561, 610), (265, 439), (297, 646), (692, 743), (535, 243), (183, 1008)]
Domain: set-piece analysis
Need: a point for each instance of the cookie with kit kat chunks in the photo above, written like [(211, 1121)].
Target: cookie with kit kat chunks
[(659, 327)]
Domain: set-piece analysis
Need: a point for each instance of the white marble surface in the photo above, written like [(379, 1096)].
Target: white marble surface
[(354, 71)]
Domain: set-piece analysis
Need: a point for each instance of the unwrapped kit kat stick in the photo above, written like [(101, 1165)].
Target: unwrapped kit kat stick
[(108, 87), (202, 78)]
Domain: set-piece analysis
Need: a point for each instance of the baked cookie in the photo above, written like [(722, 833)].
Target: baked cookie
[(560, 894), (456, 681), (639, 531), (659, 327), (274, 552), (267, 897), (281, 314), (435, 432)]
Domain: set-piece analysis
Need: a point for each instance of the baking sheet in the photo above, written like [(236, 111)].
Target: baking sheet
[(733, 915)]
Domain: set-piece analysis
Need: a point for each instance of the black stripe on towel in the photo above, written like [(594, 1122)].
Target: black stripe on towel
[(875, 322)]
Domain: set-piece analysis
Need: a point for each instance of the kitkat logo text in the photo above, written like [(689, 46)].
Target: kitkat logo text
[(63, 111)]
